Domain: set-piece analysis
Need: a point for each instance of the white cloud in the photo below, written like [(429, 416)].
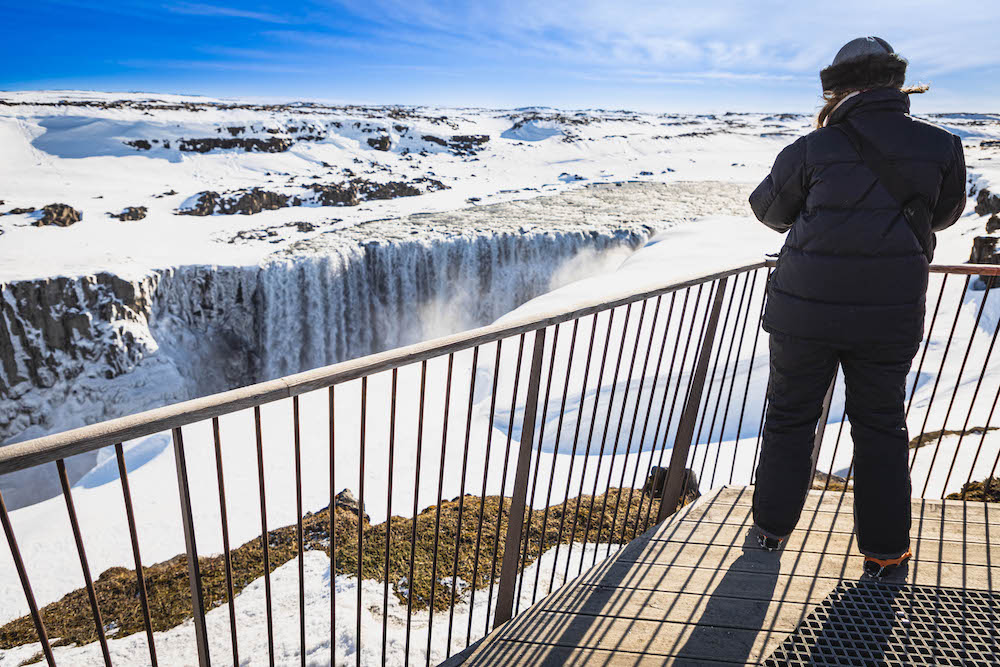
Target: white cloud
[(202, 9)]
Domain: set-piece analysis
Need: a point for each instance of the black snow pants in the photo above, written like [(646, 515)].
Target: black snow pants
[(801, 372)]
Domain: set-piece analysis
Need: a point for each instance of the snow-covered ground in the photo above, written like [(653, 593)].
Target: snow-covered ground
[(60, 160)]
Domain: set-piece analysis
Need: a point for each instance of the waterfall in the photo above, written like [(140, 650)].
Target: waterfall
[(194, 330)]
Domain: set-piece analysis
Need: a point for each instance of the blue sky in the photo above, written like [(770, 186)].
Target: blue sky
[(659, 56)]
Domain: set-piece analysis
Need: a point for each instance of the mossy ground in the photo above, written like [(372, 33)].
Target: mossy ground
[(987, 490), (70, 621), (933, 436)]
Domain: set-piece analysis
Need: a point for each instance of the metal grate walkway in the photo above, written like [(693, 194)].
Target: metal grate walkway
[(693, 591)]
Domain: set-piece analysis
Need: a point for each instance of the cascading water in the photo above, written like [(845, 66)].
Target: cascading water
[(201, 329)]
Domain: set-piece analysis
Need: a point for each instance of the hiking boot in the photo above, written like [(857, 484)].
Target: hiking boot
[(879, 568), (768, 543)]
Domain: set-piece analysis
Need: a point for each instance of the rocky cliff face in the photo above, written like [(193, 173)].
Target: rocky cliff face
[(52, 328), (80, 350)]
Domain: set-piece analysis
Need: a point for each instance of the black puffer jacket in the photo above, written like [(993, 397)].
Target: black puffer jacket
[(852, 270)]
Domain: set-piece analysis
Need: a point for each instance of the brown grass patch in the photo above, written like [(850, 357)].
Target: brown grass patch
[(70, 621), (987, 490), (931, 436)]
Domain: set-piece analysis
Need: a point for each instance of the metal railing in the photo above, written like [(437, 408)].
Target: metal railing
[(673, 359)]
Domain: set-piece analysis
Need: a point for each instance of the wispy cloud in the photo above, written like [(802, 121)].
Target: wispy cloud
[(203, 9)]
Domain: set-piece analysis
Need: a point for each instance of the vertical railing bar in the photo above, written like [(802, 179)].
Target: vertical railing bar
[(975, 396), (437, 519), (388, 513), (537, 467), (673, 400), (363, 432), (635, 421), (264, 537), (753, 354), (763, 405), (194, 571), (216, 437), (461, 499), (572, 459), (982, 439), (508, 569), (690, 385), (732, 381), (416, 499), (482, 496), (81, 552), (836, 447), (927, 344), (29, 594), (555, 457), (821, 425), (332, 511), (988, 482), (954, 395), (685, 429), (604, 438), (134, 538), (503, 479), (299, 538), (708, 396), (645, 423), (576, 436), (937, 381)]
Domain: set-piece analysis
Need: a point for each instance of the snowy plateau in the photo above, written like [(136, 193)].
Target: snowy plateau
[(205, 244)]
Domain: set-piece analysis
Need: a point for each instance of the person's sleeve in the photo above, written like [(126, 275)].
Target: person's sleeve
[(778, 199), (951, 202)]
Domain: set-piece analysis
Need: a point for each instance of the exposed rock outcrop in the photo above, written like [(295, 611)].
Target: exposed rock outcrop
[(987, 203), (348, 193), (249, 144), (55, 325), (131, 213), (381, 143), (460, 144), (984, 251), (346, 500), (58, 215)]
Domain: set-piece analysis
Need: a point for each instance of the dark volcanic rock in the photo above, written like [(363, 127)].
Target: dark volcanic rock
[(140, 144), (993, 224), (19, 211), (337, 194), (346, 500), (986, 203), (249, 144), (131, 213), (984, 251), (59, 215), (207, 201), (246, 203), (348, 193), (460, 144), (381, 143)]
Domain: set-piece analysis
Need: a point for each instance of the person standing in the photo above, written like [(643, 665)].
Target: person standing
[(861, 198)]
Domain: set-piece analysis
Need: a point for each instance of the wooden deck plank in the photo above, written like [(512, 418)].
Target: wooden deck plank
[(697, 590), (815, 541)]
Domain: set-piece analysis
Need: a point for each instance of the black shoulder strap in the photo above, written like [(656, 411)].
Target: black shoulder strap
[(915, 208)]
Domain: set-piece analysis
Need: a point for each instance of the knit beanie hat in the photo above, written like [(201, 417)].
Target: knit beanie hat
[(863, 63)]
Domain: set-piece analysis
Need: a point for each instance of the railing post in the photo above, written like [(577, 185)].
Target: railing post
[(821, 428), (685, 429), (194, 572), (515, 521)]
